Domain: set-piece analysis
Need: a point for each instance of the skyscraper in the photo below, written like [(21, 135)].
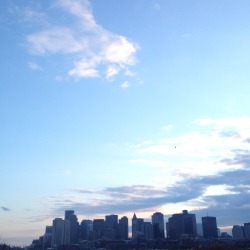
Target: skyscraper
[(137, 229), (85, 230), (238, 232), (68, 213), (123, 228), (209, 226), (111, 227), (147, 230), (182, 224), (158, 225), (98, 228), (57, 232), (247, 230), (71, 227)]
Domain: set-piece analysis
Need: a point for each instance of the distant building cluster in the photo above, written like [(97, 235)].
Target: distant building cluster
[(241, 232), (181, 226)]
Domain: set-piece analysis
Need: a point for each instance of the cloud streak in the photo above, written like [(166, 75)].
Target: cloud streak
[(5, 209)]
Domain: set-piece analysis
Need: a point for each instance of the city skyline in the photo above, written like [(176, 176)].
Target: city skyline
[(112, 228), (116, 107)]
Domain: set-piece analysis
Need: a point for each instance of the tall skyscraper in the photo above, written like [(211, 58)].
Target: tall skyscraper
[(247, 230), (158, 225), (111, 227), (147, 230), (71, 227), (209, 226), (98, 228), (57, 232), (68, 213), (137, 228), (182, 224), (85, 230), (123, 228)]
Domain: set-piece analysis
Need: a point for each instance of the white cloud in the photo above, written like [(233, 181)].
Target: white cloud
[(237, 122), (197, 152), (94, 50), (112, 71), (54, 40), (34, 66), (125, 85)]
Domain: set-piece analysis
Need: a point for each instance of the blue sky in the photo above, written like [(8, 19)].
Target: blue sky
[(122, 107)]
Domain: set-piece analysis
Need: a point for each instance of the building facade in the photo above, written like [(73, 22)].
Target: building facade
[(209, 226)]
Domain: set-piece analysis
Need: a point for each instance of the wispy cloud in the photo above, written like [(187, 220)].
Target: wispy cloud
[(95, 51), (234, 196), (5, 209), (34, 66), (125, 85)]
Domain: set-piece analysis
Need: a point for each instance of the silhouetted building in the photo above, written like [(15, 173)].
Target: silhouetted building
[(182, 224), (137, 229), (57, 232), (158, 225), (247, 230), (85, 230), (238, 232), (47, 236), (71, 227), (68, 213), (98, 228), (111, 227), (123, 228), (148, 230), (209, 226)]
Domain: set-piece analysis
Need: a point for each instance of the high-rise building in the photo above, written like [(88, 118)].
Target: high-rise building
[(238, 232), (247, 230), (71, 227), (137, 229), (123, 228), (68, 213), (85, 230), (158, 225), (98, 228), (182, 224), (147, 230), (209, 226), (111, 227), (57, 232)]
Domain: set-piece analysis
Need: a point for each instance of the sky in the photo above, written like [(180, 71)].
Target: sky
[(116, 107)]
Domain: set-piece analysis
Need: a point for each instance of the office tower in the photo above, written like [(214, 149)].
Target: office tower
[(47, 236), (123, 228), (158, 225), (111, 227), (247, 230), (209, 226), (68, 213), (71, 227), (147, 230), (238, 232), (57, 232), (85, 230), (137, 229), (98, 228), (182, 224)]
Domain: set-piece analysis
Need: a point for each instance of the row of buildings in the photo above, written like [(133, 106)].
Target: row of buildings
[(241, 232), (69, 231)]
